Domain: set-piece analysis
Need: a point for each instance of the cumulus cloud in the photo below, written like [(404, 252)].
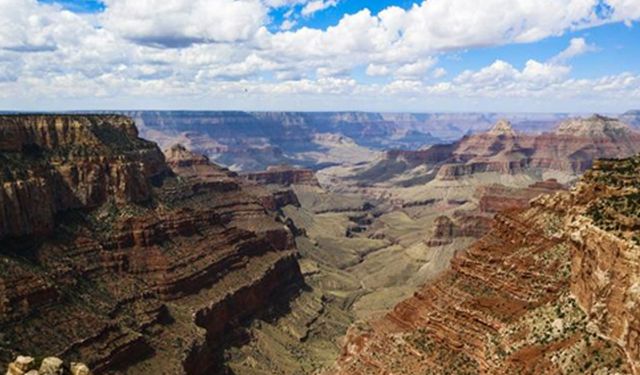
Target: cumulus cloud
[(625, 10), (27, 26), (181, 23), (220, 48), (439, 73), (375, 70), (577, 46), (416, 69), (317, 6)]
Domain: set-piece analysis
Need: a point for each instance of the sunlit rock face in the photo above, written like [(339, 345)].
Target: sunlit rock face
[(114, 256), (551, 288), (568, 149)]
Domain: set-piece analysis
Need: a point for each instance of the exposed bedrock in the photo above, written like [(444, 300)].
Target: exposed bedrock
[(113, 257), (551, 288)]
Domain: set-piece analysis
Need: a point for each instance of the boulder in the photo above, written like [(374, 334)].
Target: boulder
[(51, 366), (21, 365)]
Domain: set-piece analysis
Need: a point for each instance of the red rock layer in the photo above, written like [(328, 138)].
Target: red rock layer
[(550, 289), (464, 225), (497, 198), (146, 275), (491, 200), (282, 175), (55, 163), (570, 148)]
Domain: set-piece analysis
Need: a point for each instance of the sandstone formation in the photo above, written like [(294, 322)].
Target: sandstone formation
[(550, 289), (282, 175), (496, 198), (491, 199), (251, 141), (112, 256), (569, 149)]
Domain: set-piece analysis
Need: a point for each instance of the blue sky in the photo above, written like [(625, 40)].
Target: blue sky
[(434, 55)]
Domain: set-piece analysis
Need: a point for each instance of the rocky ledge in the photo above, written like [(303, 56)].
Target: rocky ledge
[(551, 289), (114, 256), (282, 175), (569, 149)]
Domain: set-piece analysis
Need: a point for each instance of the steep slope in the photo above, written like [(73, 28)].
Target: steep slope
[(550, 289), (282, 175), (569, 149), (109, 257)]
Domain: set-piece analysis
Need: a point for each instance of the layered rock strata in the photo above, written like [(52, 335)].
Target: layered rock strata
[(491, 199), (550, 289), (282, 175), (113, 256), (569, 148)]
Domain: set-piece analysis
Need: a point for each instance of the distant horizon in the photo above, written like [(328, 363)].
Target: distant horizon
[(103, 111)]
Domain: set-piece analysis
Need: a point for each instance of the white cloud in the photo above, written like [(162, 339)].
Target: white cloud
[(439, 73), (180, 23), (625, 10), (225, 48), (287, 25), (27, 26), (577, 46), (374, 70), (317, 6), (416, 69)]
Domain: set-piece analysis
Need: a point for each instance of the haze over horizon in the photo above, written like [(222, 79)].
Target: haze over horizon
[(320, 55)]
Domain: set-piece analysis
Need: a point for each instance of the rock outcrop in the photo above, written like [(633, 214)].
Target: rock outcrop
[(569, 149), (552, 289), (282, 175), (491, 199), (112, 256), (496, 198), (446, 229), (49, 366), (52, 164)]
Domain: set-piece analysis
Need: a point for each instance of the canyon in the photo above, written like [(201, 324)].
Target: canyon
[(549, 289), (116, 257), (252, 141), (278, 242), (567, 151)]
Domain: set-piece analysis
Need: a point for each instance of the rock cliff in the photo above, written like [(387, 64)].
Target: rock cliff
[(569, 149), (112, 256), (552, 289), (282, 175)]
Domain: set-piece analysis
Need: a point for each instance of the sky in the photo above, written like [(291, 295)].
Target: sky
[(577, 56)]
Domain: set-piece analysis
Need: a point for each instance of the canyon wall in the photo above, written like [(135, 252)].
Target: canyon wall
[(251, 141), (552, 288), (112, 256), (282, 175), (569, 149)]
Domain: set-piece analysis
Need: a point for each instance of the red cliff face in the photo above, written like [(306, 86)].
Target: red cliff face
[(108, 257), (282, 175), (570, 148), (551, 289), (491, 200), (53, 164)]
